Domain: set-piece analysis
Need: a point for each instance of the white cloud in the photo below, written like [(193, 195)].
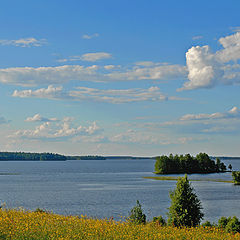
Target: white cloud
[(54, 130), (27, 76), (118, 95), (140, 72), (110, 67), (93, 57), (24, 42), (232, 113), (89, 57), (39, 118), (207, 69), (87, 36), (115, 96), (50, 92)]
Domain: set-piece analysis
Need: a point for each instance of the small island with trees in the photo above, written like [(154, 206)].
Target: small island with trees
[(202, 163)]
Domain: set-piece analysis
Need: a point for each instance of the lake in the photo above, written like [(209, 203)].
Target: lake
[(107, 188)]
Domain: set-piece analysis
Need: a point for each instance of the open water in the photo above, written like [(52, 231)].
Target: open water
[(108, 188)]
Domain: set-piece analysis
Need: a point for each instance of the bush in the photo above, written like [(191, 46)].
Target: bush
[(137, 216), (160, 221), (236, 177), (229, 224), (208, 224), (223, 221), (233, 225)]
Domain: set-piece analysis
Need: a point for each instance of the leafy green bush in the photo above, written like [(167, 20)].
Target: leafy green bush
[(229, 224), (233, 225), (236, 177), (137, 216), (160, 221), (223, 221)]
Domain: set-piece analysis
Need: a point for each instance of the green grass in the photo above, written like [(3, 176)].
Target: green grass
[(164, 178)]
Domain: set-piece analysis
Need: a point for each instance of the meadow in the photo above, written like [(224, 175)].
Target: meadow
[(21, 224)]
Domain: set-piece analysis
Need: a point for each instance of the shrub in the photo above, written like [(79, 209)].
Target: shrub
[(223, 221), (208, 224), (137, 216), (236, 177), (160, 221), (233, 225)]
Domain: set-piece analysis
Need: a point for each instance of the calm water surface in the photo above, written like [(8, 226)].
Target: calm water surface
[(107, 188)]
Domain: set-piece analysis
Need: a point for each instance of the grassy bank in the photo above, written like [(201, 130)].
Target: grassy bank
[(168, 178), (16, 224)]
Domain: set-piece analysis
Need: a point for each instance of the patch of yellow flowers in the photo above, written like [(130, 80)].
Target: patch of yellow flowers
[(20, 224)]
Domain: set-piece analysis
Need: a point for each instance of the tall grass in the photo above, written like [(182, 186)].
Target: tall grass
[(19, 224)]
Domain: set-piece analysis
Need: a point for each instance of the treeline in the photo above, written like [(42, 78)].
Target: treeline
[(89, 157), (22, 156), (202, 163)]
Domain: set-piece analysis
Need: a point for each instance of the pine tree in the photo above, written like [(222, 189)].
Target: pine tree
[(185, 209)]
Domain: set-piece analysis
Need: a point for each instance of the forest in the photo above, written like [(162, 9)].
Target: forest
[(23, 156), (202, 163)]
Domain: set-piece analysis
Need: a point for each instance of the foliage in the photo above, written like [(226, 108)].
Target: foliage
[(223, 221), (230, 167), (188, 164), (236, 177), (185, 209), (160, 221), (137, 216), (233, 225), (208, 224), (229, 224), (17, 225), (22, 156)]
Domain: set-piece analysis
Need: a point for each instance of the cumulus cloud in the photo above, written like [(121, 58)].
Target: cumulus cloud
[(232, 113), (207, 69), (115, 96), (24, 42), (88, 36), (38, 118), (54, 130)]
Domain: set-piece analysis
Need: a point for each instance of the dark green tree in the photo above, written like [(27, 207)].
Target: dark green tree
[(137, 216), (230, 167), (185, 209)]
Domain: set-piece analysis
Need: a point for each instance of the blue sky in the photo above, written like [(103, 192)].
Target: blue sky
[(123, 77)]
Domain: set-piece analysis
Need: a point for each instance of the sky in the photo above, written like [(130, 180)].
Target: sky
[(141, 78)]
